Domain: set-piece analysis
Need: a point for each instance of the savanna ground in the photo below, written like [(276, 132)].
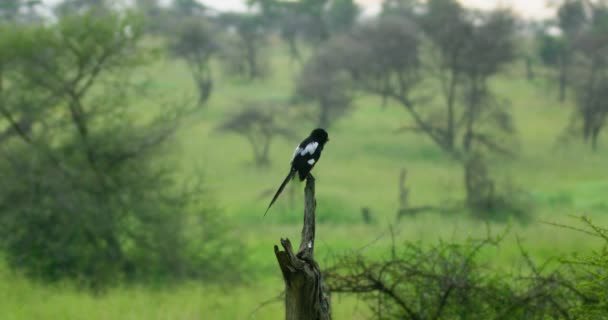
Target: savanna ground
[(360, 168)]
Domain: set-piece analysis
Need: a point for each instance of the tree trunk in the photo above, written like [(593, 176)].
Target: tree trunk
[(594, 138), (529, 69), (323, 121), (450, 135), (478, 183), (403, 194), (294, 50), (562, 81), (251, 59), (204, 86), (306, 297)]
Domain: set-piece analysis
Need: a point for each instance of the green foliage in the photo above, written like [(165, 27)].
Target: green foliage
[(571, 16), (85, 193), (592, 277), (452, 49), (195, 41), (342, 15), (244, 53), (406, 8), (448, 281), (20, 11), (551, 49), (9, 9), (327, 86), (187, 8), (359, 170), (591, 113), (260, 123), (95, 7)]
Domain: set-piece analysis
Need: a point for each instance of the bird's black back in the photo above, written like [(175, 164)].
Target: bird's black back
[(304, 158), (307, 154)]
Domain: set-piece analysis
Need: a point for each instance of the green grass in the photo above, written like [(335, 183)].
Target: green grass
[(360, 168)]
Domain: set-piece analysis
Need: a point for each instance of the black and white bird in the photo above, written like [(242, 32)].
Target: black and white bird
[(304, 158)]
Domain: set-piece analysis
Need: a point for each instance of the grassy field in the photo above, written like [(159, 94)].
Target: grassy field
[(360, 168)]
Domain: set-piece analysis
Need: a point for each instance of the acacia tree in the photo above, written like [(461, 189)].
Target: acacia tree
[(466, 50), (71, 7), (187, 8), (259, 124), (154, 14), (13, 10), (558, 51), (591, 114), (244, 53), (9, 10), (326, 85), (282, 16), (448, 281), (195, 42), (466, 55), (85, 194), (342, 15), (584, 25), (592, 110), (307, 20)]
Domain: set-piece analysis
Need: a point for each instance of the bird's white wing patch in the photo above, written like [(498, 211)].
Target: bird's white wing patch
[(311, 162), (298, 150), (310, 148)]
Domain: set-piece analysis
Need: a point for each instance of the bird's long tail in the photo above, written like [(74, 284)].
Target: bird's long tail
[(276, 195)]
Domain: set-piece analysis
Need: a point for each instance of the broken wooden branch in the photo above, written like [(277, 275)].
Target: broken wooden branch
[(306, 297)]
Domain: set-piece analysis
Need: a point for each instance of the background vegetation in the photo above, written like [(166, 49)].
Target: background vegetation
[(140, 146)]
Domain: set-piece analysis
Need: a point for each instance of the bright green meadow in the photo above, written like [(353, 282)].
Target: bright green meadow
[(359, 168)]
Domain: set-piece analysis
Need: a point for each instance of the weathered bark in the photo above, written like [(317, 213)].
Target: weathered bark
[(306, 297)]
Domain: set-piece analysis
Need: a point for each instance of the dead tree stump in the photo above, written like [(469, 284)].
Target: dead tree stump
[(306, 297)]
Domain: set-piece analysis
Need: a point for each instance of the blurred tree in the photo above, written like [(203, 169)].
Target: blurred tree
[(342, 15), (397, 41), (188, 8), (70, 7), (403, 8), (558, 50), (323, 82), (467, 53), (148, 7), (11, 10), (243, 54), (154, 15), (550, 49), (297, 20), (451, 34), (313, 12), (291, 26), (259, 123), (84, 191), (466, 50), (195, 42), (572, 17), (591, 114), (282, 16)]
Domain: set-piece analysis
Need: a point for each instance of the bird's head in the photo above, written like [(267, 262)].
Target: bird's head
[(320, 135)]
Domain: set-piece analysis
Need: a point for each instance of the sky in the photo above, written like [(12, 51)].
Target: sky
[(531, 9)]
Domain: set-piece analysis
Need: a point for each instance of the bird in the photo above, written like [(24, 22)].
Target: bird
[(304, 158)]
